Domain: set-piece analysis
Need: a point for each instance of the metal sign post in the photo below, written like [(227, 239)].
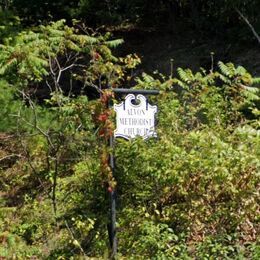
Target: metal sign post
[(134, 117)]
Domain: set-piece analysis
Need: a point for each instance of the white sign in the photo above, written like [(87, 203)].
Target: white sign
[(135, 117)]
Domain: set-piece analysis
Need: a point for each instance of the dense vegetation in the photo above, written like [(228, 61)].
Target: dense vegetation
[(191, 193)]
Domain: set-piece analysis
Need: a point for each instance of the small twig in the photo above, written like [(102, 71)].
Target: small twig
[(68, 67), (171, 75), (109, 8), (27, 153), (48, 84), (60, 70), (50, 65), (6, 137), (35, 123), (212, 62), (71, 87), (10, 156), (73, 237), (90, 84), (54, 186), (249, 24)]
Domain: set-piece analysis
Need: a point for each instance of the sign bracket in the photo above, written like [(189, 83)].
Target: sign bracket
[(136, 91)]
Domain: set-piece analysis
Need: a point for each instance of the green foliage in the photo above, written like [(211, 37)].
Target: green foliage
[(227, 95), (199, 179), (9, 26), (13, 246), (36, 12), (190, 193), (32, 54), (58, 174), (9, 105)]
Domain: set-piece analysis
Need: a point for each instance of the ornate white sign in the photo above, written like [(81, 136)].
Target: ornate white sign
[(135, 117)]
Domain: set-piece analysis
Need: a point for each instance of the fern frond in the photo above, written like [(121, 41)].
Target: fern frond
[(223, 78), (251, 93), (251, 89), (185, 75), (250, 96), (227, 69), (248, 130), (5, 67), (84, 39), (182, 84), (72, 46), (256, 80), (147, 78), (241, 70), (114, 43)]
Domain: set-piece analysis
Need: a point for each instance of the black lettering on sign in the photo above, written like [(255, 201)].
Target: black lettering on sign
[(135, 112)]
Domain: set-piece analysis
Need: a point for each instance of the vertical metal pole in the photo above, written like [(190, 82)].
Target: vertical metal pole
[(113, 225), (112, 193)]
